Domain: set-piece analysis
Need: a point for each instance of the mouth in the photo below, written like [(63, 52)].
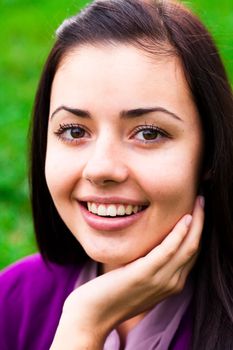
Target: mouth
[(113, 210)]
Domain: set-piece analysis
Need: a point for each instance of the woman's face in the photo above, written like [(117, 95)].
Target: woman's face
[(124, 149)]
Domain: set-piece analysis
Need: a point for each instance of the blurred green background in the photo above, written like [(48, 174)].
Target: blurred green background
[(27, 33)]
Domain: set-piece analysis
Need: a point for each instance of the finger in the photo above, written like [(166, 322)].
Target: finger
[(190, 245), (175, 283), (164, 252), (184, 273), (181, 257)]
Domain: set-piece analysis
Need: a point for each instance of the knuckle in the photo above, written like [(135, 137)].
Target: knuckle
[(168, 253), (192, 250), (169, 287), (173, 284), (158, 280), (176, 284), (180, 285)]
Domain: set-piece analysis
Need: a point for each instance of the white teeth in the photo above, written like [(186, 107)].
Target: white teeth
[(129, 209), (112, 209), (121, 210), (102, 210), (93, 208)]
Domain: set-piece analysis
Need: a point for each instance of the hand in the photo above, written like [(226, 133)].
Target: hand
[(95, 308)]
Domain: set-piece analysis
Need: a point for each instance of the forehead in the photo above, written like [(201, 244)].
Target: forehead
[(119, 75)]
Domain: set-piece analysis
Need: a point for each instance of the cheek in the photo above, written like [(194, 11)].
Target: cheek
[(171, 191), (171, 178), (61, 172)]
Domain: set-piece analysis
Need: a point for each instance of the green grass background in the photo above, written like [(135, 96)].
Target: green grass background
[(27, 33)]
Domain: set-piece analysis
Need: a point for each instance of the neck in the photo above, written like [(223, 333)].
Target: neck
[(104, 268)]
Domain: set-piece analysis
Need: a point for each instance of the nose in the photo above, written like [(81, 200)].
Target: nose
[(105, 163)]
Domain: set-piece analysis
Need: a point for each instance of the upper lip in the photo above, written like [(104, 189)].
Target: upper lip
[(112, 200)]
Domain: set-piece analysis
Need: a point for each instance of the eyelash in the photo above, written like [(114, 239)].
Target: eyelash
[(162, 133), (66, 127)]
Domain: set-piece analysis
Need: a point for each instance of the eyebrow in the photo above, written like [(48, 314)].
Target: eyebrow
[(132, 113)]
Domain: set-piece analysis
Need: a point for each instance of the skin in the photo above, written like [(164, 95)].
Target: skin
[(111, 158), (147, 281)]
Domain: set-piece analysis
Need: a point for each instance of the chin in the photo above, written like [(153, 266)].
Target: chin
[(113, 259), (110, 260)]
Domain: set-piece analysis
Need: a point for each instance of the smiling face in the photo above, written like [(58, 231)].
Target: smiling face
[(124, 139)]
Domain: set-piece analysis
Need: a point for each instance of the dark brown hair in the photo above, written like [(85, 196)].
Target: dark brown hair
[(157, 27)]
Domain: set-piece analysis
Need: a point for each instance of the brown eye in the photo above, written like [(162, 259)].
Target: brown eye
[(77, 132), (72, 133), (150, 134)]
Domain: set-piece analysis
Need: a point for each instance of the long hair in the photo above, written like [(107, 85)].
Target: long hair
[(167, 28)]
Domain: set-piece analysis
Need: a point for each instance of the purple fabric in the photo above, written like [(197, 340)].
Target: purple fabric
[(183, 336), (32, 295)]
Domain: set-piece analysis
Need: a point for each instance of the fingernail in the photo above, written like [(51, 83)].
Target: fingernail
[(188, 220), (202, 201)]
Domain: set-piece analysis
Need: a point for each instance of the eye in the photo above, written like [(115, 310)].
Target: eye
[(71, 132), (149, 134), (77, 132)]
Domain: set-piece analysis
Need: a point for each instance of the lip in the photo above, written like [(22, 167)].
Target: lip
[(111, 223)]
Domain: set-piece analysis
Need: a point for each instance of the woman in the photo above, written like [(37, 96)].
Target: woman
[(132, 121)]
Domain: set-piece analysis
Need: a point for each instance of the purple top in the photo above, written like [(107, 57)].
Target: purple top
[(32, 294)]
